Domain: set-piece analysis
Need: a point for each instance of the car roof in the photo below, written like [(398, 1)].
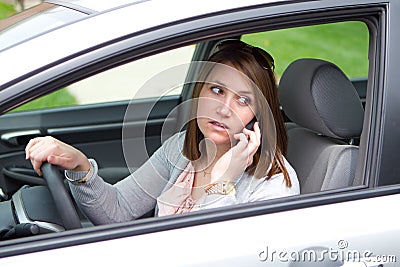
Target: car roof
[(95, 5), (102, 6), (113, 20)]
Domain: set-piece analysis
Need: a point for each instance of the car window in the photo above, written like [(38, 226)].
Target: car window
[(344, 44), (117, 84)]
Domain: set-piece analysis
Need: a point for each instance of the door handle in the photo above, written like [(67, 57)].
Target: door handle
[(19, 138), (26, 176)]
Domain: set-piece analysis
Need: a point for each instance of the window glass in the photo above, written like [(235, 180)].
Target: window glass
[(120, 83), (35, 21), (344, 44)]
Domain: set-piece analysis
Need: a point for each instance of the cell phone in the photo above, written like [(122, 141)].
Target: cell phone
[(250, 125)]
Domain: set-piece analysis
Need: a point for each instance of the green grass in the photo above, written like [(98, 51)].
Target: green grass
[(345, 44), (59, 98), (6, 10)]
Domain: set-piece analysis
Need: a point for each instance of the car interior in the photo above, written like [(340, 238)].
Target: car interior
[(315, 96)]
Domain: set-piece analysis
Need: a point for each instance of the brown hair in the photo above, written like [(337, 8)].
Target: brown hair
[(263, 80)]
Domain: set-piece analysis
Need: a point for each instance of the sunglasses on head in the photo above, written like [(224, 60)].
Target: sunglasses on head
[(263, 58)]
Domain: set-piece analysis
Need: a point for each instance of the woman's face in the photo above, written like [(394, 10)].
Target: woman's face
[(226, 104)]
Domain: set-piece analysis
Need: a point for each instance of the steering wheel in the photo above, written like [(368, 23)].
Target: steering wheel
[(61, 196)]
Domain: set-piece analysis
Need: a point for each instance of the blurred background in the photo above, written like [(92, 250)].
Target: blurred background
[(17, 5)]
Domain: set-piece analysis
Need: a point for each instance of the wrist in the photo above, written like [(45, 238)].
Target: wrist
[(81, 177), (83, 166), (221, 188)]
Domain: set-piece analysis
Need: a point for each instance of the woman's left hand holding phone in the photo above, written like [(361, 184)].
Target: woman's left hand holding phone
[(239, 157), (42, 149)]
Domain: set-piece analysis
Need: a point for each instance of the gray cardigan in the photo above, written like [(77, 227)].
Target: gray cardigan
[(137, 194)]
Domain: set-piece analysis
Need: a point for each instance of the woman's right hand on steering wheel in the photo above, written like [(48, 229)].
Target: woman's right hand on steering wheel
[(42, 149)]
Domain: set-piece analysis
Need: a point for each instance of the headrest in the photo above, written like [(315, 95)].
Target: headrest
[(317, 95)]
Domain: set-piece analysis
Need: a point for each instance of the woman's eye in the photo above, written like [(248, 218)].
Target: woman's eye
[(243, 100), (216, 90)]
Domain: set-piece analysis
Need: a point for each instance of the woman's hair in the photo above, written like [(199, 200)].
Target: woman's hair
[(257, 65)]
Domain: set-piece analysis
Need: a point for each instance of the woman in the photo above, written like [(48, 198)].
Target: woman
[(221, 162)]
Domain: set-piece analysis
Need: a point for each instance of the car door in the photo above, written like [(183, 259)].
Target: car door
[(333, 227)]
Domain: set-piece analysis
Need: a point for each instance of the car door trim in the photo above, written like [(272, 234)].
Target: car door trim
[(108, 126), (11, 138)]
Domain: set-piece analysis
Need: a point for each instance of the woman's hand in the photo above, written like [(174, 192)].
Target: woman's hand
[(42, 149), (239, 157)]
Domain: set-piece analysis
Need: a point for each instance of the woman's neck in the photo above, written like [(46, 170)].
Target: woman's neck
[(211, 153)]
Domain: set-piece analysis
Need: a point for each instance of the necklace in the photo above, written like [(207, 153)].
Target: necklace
[(203, 170), (205, 173)]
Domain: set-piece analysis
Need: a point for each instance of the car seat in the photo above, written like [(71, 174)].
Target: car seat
[(326, 112)]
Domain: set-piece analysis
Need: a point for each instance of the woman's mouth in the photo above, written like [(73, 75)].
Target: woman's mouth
[(219, 125)]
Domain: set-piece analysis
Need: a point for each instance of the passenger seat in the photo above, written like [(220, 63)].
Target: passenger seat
[(327, 112)]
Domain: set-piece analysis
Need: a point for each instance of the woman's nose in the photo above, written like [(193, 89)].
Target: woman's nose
[(224, 109)]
